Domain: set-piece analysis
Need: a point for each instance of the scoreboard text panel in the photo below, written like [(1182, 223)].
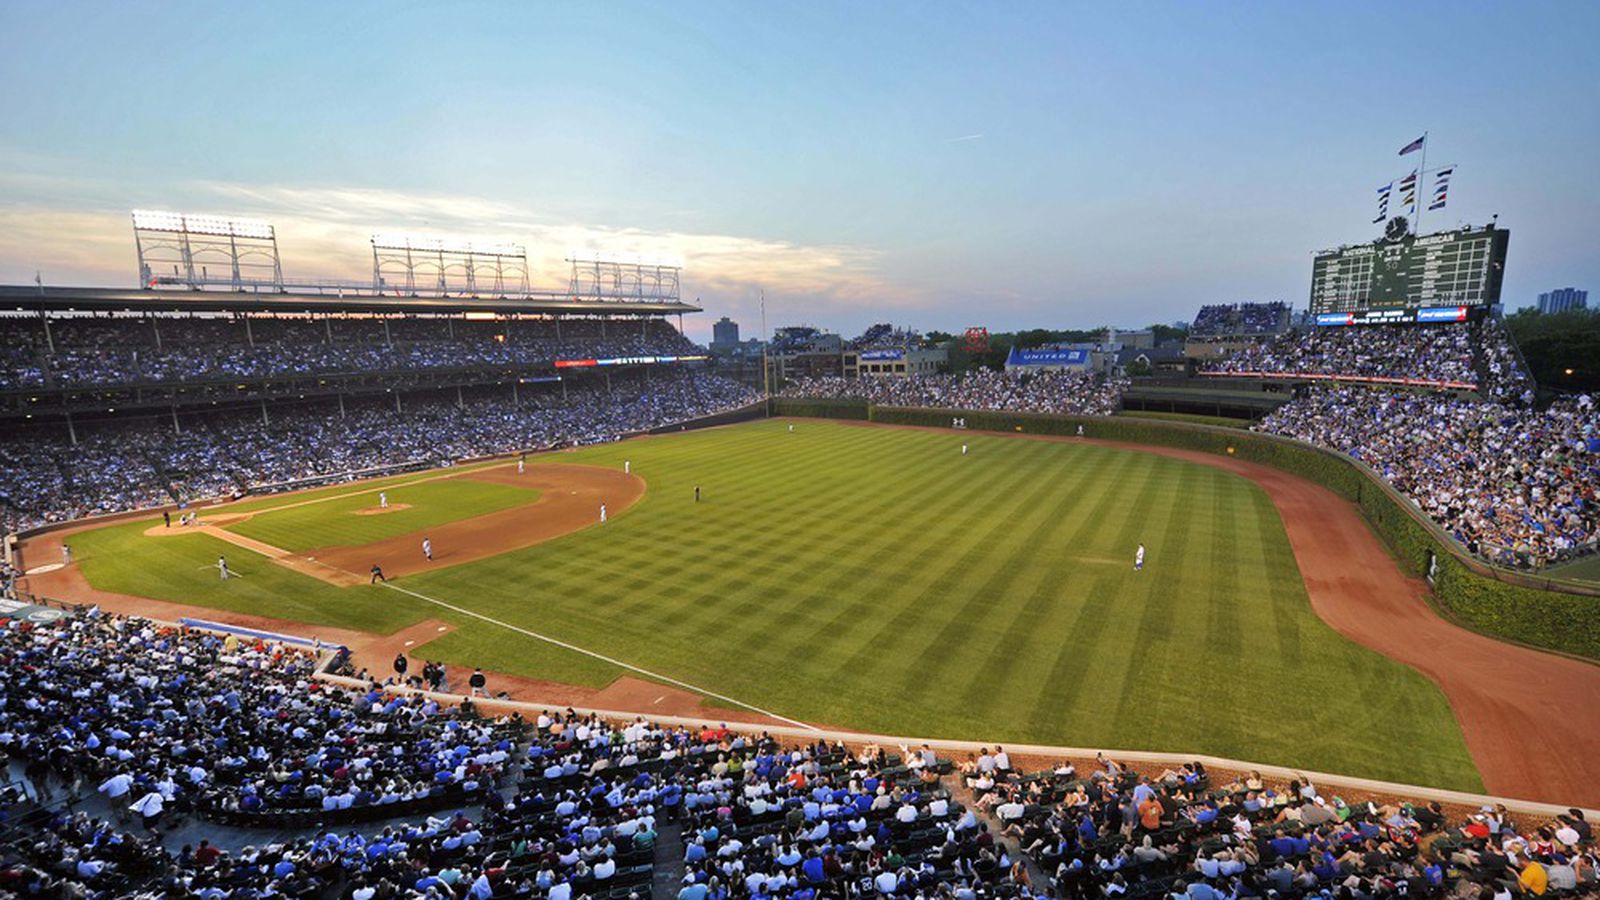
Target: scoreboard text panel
[(1450, 268)]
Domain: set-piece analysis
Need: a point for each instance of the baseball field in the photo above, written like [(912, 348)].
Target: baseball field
[(866, 578)]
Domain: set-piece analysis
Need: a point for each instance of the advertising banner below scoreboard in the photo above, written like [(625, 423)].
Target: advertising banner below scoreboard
[(1398, 316)]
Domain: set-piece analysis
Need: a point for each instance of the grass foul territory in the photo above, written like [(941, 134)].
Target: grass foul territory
[(881, 580)]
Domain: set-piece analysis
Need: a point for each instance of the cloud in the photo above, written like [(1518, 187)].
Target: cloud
[(77, 232), (964, 137)]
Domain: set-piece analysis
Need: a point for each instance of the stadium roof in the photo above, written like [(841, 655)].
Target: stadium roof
[(34, 298)]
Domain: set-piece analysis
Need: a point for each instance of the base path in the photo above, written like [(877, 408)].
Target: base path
[(1531, 720)]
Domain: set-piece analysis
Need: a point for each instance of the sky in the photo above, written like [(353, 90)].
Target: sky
[(936, 165)]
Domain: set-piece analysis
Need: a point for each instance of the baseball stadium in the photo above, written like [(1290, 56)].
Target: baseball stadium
[(451, 582)]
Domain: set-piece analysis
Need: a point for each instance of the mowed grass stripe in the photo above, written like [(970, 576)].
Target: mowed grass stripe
[(1002, 646), (892, 547), (830, 572), (928, 574), (953, 594)]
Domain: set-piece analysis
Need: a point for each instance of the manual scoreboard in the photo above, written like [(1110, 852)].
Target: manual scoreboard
[(1463, 267)]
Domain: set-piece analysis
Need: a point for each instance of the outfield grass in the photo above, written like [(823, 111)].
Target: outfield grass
[(333, 521), (879, 580)]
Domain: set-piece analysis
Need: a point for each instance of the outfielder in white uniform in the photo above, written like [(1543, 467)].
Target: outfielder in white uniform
[(963, 449), (222, 567), (1138, 558)]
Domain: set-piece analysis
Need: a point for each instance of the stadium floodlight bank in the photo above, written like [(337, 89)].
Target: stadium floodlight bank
[(244, 251), (443, 267), (201, 252), (599, 279)]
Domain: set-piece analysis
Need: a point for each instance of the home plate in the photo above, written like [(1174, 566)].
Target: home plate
[(47, 567)]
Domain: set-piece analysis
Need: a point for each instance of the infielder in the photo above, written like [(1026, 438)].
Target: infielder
[(222, 567), (522, 463), (602, 514), (427, 549), (66, 555), (383, 499), (1138, 558)]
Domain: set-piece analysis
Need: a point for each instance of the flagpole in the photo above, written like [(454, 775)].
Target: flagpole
[(766, 388), (1422, 177)]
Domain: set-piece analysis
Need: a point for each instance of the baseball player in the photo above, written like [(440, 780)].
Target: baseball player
[(602, 514), (383, 499), (1080, 431), (66, 555), (697, 493), (791, 429), (222, 567), (427, 549), (1138, 558), (963, 449), (627, 467), (377, 575), (522, 463)]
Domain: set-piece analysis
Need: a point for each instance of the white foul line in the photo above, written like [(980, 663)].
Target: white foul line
[(600, 656)]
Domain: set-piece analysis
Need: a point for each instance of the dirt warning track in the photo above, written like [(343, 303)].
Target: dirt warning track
[(1531, 720)]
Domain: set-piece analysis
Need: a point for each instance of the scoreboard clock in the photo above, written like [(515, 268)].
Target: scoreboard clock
[(1461, 267)]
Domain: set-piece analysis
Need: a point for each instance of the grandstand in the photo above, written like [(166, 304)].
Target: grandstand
[(1233, 319), (186, 389)]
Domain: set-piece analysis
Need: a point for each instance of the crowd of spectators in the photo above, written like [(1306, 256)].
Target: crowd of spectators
[(1065, 392), (45, 478), (103, 351), (884, 336), (1183, 835), (1515, 484), (169, 724), (1219, 319), (1433, 353)]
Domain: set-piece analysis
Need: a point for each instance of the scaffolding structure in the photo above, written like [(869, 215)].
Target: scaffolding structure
[(603, 279), (244, 251), (414, 266)]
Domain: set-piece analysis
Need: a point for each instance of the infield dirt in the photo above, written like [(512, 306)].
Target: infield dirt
[(569, 499)]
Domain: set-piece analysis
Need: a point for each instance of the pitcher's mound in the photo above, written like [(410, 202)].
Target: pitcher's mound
[(380, 510)]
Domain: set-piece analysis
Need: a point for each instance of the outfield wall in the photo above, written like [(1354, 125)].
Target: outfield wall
[(1522, 608)]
